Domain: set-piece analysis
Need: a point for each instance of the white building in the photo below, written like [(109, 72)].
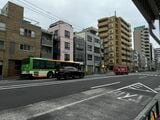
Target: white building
[(63, 41), (93, 49)]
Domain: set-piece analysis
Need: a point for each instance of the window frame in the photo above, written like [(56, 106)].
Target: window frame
[(2, 26), (2, 45), (88, 57), (67, 45), (67, 34)]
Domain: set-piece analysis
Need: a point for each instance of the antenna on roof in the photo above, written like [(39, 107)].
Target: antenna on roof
[(115, 13)]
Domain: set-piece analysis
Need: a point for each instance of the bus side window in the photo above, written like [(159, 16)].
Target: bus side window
[(42, 64), (36, 64), (50, 65)]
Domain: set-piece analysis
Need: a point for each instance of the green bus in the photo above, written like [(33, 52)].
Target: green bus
[(34, 67)]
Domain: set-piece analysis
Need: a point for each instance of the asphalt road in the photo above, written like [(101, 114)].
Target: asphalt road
[(134, 90)]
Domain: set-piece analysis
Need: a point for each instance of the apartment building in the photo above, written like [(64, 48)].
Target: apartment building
[(135, 60), (157, 58), (79, 49), (46, 44), (142, 42), (116, 35), (62, 40), (19, 39), (152, 58), (92, 49)]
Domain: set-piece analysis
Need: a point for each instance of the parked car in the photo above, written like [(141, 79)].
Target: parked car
[(68, 73), (120, 70)]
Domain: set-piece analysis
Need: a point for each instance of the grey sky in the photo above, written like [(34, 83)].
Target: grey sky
[(83, 13)]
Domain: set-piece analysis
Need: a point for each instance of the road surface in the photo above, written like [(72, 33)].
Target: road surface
[(98, 97)]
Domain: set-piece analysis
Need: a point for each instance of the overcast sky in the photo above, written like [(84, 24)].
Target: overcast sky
[(81, 13)]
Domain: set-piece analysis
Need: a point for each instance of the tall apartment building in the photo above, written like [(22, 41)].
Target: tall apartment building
[(152, 58), (142, 42), (46, 44), (92, 49), (157, 58), (135, 60), (19, 39), (116, 35), (62, 41)]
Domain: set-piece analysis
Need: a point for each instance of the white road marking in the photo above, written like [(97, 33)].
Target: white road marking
[(128, 95), (68, 105), (122, 88), (120, 93), (142, 77), (131, 97), (148, 89), (105, 85)]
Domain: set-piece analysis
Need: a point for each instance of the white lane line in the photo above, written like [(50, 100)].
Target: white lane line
[(68, 105), (142, 77), (105, 85)]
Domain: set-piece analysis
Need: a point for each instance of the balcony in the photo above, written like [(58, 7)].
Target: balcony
[(126, 38), (101, 30), (103, 35), (102, 24), (46, 42)]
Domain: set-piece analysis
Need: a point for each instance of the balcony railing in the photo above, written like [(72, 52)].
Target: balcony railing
[(47, 42)]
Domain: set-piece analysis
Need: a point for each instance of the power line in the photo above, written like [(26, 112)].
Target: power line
[(35, 8), (36, 11), (48, 12)]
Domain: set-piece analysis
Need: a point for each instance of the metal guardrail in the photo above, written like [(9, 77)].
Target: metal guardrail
[(151, 111)]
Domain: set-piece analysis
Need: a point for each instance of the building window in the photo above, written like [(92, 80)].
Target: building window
[(111, 31), (89, 57), (21, 31), (67, 45), (27, 33), (96, 50), (67, 34), (89, 48), (89, 38), (66, 57), (96, 58), (33, 34), (96, 40), (80, 47), (111, 61), (1, 44), (111, 36), (26, 47), (56, 32), (111, 55), (2, 26)]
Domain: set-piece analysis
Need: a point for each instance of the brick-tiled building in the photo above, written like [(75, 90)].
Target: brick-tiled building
[(19, 39)]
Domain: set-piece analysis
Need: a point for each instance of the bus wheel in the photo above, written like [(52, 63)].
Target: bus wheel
[(50, 75)]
